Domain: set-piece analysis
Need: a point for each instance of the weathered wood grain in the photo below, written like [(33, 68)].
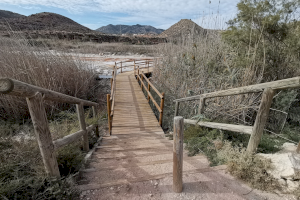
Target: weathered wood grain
[(228, 127), (43, 135), (21, 89), (82, 124), (162, 102), (261, 119), (275, 85), (178, 154), (72, 137)]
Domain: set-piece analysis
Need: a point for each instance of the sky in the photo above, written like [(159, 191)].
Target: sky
[(93, 14)]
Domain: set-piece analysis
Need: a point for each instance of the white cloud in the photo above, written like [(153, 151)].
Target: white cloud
[(159, 12)]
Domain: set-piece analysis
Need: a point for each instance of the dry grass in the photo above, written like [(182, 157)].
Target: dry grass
[(38, 66), (203, 65)]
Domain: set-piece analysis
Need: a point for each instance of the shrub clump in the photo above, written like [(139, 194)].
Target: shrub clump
[(248, 167)]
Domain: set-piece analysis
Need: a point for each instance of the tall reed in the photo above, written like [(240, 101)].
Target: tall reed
[(21, 60)]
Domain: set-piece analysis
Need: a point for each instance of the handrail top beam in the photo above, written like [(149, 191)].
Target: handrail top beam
[(275, 85), (222, 126), (154, 88), (21, 89)]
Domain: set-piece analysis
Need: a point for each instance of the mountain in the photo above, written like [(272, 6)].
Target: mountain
[(126, 29), (7, 14), (183, 27), (42, 22)]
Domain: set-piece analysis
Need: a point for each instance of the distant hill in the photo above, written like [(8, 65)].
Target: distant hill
[(43, 22), (183, 27), (127, 29), (7, 14)]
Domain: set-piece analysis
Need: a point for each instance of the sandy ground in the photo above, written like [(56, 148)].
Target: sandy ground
[(103, 64)]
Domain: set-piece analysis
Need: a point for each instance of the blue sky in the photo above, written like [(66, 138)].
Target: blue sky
[(158, 13)]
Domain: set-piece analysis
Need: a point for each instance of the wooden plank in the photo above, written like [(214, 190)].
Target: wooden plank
[(71, 138), (18, 88), (275, 85), (227, 127)]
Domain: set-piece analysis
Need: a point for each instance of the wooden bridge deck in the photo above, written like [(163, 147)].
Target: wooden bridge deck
[(136, 162)]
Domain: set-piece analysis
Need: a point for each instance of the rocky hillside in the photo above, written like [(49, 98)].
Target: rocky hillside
[(183, 27), (7, 14), (43, 22), (126, 29)]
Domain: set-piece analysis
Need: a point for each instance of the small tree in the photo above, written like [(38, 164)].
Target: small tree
[(265, 35)]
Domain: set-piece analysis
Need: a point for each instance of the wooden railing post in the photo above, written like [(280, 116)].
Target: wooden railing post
[(201, 106), (148, 93), (134, 67), (108, 113), (178, 154), (162, 108), (43, 135), (176, 108), (138, 70), (82, 124), (111, 80), (142, 79), (121, 67), (148, 66), (261, 119)]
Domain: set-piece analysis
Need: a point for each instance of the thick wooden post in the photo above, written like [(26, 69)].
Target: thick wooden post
[(162, 108), (138, 70), (260, 120), (82, 124), (121, 67), (108, 113), (148, 93), (178, 154), (176, 108), (43, 135), (201, 106), (134, 67)]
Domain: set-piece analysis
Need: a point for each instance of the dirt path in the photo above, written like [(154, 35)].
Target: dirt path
[(136, 161)]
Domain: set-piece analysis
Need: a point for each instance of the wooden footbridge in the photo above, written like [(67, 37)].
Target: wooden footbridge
[(135, 160)]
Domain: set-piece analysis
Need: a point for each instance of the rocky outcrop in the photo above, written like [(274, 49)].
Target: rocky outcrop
[(126, 29), (286, 166), (84, 37)]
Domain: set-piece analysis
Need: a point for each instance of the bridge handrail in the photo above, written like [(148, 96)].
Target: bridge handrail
[(140, 78), (111, 96), (35, 97), (146, 62), (255, 131)]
